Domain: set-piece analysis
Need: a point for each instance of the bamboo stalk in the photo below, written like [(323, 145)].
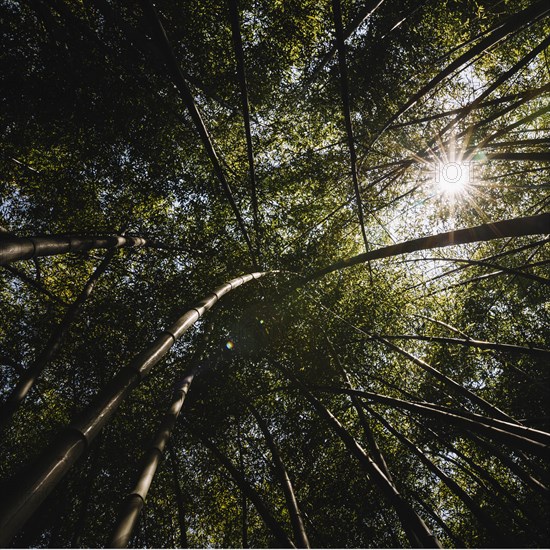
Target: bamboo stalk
[(471, 343), (246, 487), (241, 73), (485, 521), (515, 436), (135, 500), (23, 248), (513, 23), (300, 535), (52, 348), (29, 488), (418, 533), (516, 227), (178, 79), (337, 13)]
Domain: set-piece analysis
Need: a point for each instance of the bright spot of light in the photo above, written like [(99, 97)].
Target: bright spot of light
[(229, 344), (453, 177)]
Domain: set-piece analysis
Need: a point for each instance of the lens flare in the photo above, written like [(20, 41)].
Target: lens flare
[(452, 177)]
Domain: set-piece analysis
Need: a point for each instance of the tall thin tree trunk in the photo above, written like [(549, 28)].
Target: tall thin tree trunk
[(522, 438), (135, 500), (300, 535), (184, 543), (485, 521), (29, 488), (271, 523), (459, 543), (241, 73), (174, 70), (418, 533), (344, 89), (50, 351), (514, 23), (517, 227)]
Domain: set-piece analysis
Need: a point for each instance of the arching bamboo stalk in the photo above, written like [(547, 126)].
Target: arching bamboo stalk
[(24, 248), (50, 351), (135, 500), (27, 490), (516, 227)]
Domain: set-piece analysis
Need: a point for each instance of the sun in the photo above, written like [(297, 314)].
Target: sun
[(452, 177), (452, 169)]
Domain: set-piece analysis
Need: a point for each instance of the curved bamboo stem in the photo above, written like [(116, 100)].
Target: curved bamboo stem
[(24, 248), (516, 227), (27, 490)]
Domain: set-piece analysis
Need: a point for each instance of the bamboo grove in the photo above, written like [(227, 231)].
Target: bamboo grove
[(274, 273)]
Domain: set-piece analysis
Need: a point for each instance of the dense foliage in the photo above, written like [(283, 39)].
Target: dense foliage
[(100, 138)]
